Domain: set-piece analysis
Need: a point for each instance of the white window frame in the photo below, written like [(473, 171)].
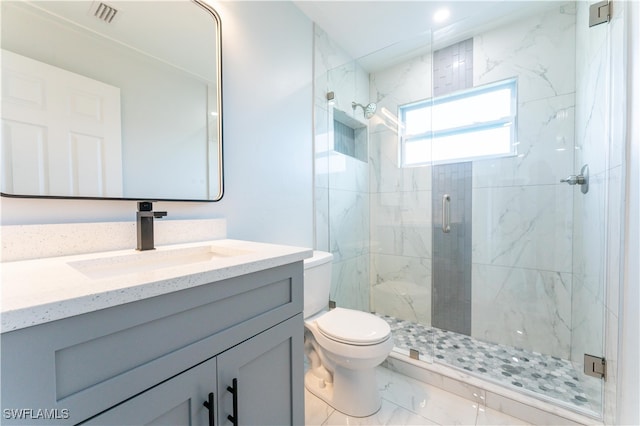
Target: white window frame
[(430, 145)]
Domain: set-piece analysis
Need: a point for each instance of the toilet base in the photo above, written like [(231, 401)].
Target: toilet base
[(353, 392)]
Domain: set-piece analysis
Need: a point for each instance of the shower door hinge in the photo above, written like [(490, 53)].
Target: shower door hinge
[(599, 13), (595, 366)]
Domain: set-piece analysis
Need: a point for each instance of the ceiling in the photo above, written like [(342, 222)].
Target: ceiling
[(131, 26), (381, 30)]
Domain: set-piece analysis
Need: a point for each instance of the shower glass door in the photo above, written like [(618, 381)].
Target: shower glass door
[(520, 284), (481, 258)]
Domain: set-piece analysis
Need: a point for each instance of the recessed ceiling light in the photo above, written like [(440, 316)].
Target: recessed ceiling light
[(441, 15)]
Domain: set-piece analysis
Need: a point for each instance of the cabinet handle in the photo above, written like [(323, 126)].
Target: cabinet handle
[(209, 405), (234, 391)]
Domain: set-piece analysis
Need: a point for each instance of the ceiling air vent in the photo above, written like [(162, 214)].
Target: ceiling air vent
[(105, 13)]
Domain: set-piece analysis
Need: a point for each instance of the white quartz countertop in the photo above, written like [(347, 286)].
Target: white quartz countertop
[(42, 290)]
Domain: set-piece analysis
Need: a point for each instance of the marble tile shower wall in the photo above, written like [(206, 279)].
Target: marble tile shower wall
[(342, 182), (522, 224), (523, 216)]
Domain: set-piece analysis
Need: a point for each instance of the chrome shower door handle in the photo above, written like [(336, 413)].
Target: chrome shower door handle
[(571, 180), (574, 180), (582, 179), (446, 213)]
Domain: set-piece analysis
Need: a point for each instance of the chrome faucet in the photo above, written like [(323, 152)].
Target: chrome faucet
[(144, 224)]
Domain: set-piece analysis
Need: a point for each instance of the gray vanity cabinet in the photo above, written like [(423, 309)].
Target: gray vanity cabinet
[(266, 393), (156, 360)]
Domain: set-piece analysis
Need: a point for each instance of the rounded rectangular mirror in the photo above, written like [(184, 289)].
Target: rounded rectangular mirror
[(113, 99)]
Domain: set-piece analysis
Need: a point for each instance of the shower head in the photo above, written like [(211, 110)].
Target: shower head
[(368, 110)]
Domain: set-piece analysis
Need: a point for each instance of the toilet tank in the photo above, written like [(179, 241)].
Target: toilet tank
[(317, 282)]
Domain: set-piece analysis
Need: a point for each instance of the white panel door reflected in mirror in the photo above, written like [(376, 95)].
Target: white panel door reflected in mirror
[(61, 131)]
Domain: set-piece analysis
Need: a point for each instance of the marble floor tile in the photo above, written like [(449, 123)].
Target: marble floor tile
[(428, 401), (389, 414), (316, 411), (406, 401), (487, 416)]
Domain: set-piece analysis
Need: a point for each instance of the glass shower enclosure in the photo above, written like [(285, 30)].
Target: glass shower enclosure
[(487, 257)]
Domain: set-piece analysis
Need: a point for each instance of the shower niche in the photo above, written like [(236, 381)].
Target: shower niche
[(350, 135)]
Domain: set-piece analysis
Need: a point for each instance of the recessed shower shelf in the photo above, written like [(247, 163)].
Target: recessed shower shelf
[(350, 135)]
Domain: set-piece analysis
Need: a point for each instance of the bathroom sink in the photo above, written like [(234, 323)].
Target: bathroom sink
[(152, 260)]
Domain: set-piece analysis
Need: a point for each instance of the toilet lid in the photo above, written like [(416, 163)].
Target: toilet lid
[(353, 327)]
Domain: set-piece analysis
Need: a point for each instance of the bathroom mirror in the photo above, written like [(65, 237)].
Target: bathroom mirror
[(113, 99)]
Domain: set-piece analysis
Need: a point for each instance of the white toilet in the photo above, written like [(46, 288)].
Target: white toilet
[(343, 346)]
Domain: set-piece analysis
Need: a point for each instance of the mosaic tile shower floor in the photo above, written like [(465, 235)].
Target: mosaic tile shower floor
[(543, 374)]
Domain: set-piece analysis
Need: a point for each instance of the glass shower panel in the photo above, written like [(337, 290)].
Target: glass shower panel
[(400, 198), (321, 140), (590, 251), (347, 175)]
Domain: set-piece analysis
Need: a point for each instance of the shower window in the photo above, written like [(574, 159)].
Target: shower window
[(466, 125)]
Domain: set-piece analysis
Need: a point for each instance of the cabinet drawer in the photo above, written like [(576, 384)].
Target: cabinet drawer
[(88, 363)]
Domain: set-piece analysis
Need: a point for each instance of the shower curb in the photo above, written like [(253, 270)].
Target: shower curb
[(531, 409)]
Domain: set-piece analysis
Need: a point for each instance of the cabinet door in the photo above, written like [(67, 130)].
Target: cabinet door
[(177, 401), (268, 369)]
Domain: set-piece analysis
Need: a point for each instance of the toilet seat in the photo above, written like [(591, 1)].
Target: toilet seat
[(353, 327)]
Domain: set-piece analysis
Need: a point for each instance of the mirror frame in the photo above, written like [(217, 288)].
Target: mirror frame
[(219, 132)]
